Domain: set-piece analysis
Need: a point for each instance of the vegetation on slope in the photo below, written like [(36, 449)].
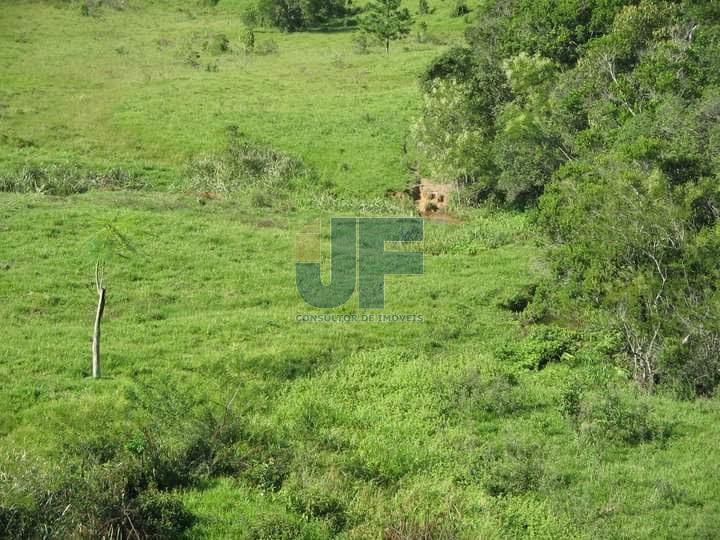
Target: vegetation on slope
[(607, 112), (154, 137)]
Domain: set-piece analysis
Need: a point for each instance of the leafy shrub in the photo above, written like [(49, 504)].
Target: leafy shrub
[(456, 63), (267, 461), (518, 300), (499, 395), (617, 417), (119, 483), (450, 143), (360, 43), (544, 345), (217, 44), (291, 15), (285, 527), (317, 502), (511, 468), (268, 470), (250, 17), (113, 499), (570, 403), (249, 40), (691, 366), (161, 515), (460, 8)]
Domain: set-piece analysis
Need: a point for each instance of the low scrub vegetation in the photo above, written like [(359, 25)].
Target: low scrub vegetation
[(247, 168), (63, 179)]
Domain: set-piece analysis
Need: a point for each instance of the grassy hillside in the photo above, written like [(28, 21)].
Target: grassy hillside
[(142, 88), (468, 421)]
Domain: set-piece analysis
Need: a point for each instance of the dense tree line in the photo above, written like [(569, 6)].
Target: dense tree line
[(602, 115), (294, 15)]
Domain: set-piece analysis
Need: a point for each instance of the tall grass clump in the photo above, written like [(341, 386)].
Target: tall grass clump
[(66, 179), (246, 168)]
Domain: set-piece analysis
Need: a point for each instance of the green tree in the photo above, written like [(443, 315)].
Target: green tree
[(287, 15), (450, 142), (293, 15), (387, 21)]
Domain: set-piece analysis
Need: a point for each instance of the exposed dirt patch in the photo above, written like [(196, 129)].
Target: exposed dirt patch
[(431, 200), (432, 197)]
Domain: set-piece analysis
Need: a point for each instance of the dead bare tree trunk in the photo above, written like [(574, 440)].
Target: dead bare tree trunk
[(98, 317)]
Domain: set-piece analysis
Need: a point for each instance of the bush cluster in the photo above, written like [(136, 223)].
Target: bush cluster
[(247, 168), (603, 115)]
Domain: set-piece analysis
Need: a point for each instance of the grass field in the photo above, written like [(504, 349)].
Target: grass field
[(465, 424), (122, 91)]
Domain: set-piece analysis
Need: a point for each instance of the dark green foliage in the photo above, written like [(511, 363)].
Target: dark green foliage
[(217, 44), (455, 63), (520, 299), (284, 14), (294, 15), (609, 118), (267, 464), (162, 515), (485, 396), (249, 40), (317, 502), (120, 481), (250, 17), (553, 29), (460, 8), (278, 527)]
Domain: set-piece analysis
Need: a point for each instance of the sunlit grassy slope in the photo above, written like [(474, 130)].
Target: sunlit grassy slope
[(383, 426), (118, 89), (383, 430)]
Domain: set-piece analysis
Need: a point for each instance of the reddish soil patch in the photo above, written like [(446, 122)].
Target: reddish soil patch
[(431, 200)]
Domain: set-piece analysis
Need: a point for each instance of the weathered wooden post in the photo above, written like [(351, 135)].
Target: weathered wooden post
[(98, 316)]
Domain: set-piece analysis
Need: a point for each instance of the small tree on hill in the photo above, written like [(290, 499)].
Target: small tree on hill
[(387, 21), (107, 244)]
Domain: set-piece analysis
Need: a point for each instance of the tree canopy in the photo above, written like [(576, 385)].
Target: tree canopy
[(387, 20), (603, 115)]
